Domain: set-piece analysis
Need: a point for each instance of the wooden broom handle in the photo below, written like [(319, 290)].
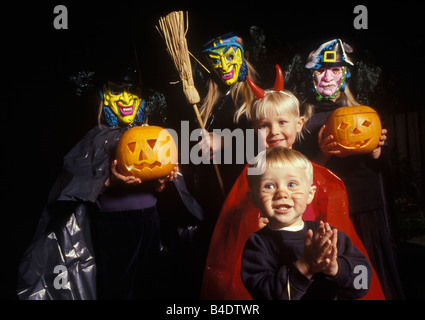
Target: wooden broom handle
[(217, 171)]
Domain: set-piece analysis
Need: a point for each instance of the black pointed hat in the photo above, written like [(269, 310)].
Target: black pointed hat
[(330, 54)]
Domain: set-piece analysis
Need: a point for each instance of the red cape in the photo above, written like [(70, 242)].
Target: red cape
[(238, 219)]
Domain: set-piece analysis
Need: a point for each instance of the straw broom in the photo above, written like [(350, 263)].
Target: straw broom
[(173, 31)]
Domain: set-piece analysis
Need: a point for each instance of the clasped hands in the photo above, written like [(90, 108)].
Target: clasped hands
[(320, 252)]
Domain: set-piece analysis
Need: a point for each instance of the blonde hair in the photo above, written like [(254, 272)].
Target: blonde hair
[(240, 92), (279, 157), (347, 97), (282, 102)]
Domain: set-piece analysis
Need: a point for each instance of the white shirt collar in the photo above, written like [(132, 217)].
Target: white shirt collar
[(291, 228)]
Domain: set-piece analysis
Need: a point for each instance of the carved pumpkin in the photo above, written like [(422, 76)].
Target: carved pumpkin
[(146, 152), (356, 129)]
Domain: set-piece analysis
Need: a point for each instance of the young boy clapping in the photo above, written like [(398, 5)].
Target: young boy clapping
[(291, 258)]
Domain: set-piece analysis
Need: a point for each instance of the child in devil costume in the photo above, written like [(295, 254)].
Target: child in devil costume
[(275, 115)]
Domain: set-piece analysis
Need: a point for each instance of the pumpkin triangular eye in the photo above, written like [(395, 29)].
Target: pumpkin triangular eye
[(343, 126), (162, 142), (366, 123), (151, 143), (132, 146)]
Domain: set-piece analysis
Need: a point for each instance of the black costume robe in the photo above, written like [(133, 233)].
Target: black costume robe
[(63, 236)]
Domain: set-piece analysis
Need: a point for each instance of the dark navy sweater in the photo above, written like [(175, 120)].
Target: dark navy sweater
[(268, 262)]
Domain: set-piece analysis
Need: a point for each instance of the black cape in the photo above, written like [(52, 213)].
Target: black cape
[(59, 263)]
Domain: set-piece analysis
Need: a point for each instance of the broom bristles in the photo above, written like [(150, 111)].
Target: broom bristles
[(174, 34)]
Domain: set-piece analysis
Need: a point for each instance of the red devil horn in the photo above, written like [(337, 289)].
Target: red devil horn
[(278, 84), (259, 93)]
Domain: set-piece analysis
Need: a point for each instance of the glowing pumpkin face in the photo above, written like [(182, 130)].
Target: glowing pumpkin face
[(356, 129), (146, 152)]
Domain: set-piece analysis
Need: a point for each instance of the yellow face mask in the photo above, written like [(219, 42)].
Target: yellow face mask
[(227, 64), (124, 101)]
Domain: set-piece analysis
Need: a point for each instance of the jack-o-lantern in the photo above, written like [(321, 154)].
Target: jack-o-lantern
[(146, 152), (356, 130)]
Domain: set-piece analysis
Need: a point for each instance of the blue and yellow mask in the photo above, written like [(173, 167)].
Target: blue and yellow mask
[(123, 101), (225, 57)]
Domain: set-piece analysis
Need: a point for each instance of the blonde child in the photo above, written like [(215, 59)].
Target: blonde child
[(291, 258), (275, 116)]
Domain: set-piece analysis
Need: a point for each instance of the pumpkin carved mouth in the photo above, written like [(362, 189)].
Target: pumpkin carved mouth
[(355, 145), (144, 165)]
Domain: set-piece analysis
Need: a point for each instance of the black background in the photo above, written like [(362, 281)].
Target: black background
[(43, 117)]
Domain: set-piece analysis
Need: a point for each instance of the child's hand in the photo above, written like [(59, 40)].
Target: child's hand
[(327, 145), (171, 176), (332, 254), (377, 152), (117, 177), (318, 253), (262, 221), (211, 144)]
